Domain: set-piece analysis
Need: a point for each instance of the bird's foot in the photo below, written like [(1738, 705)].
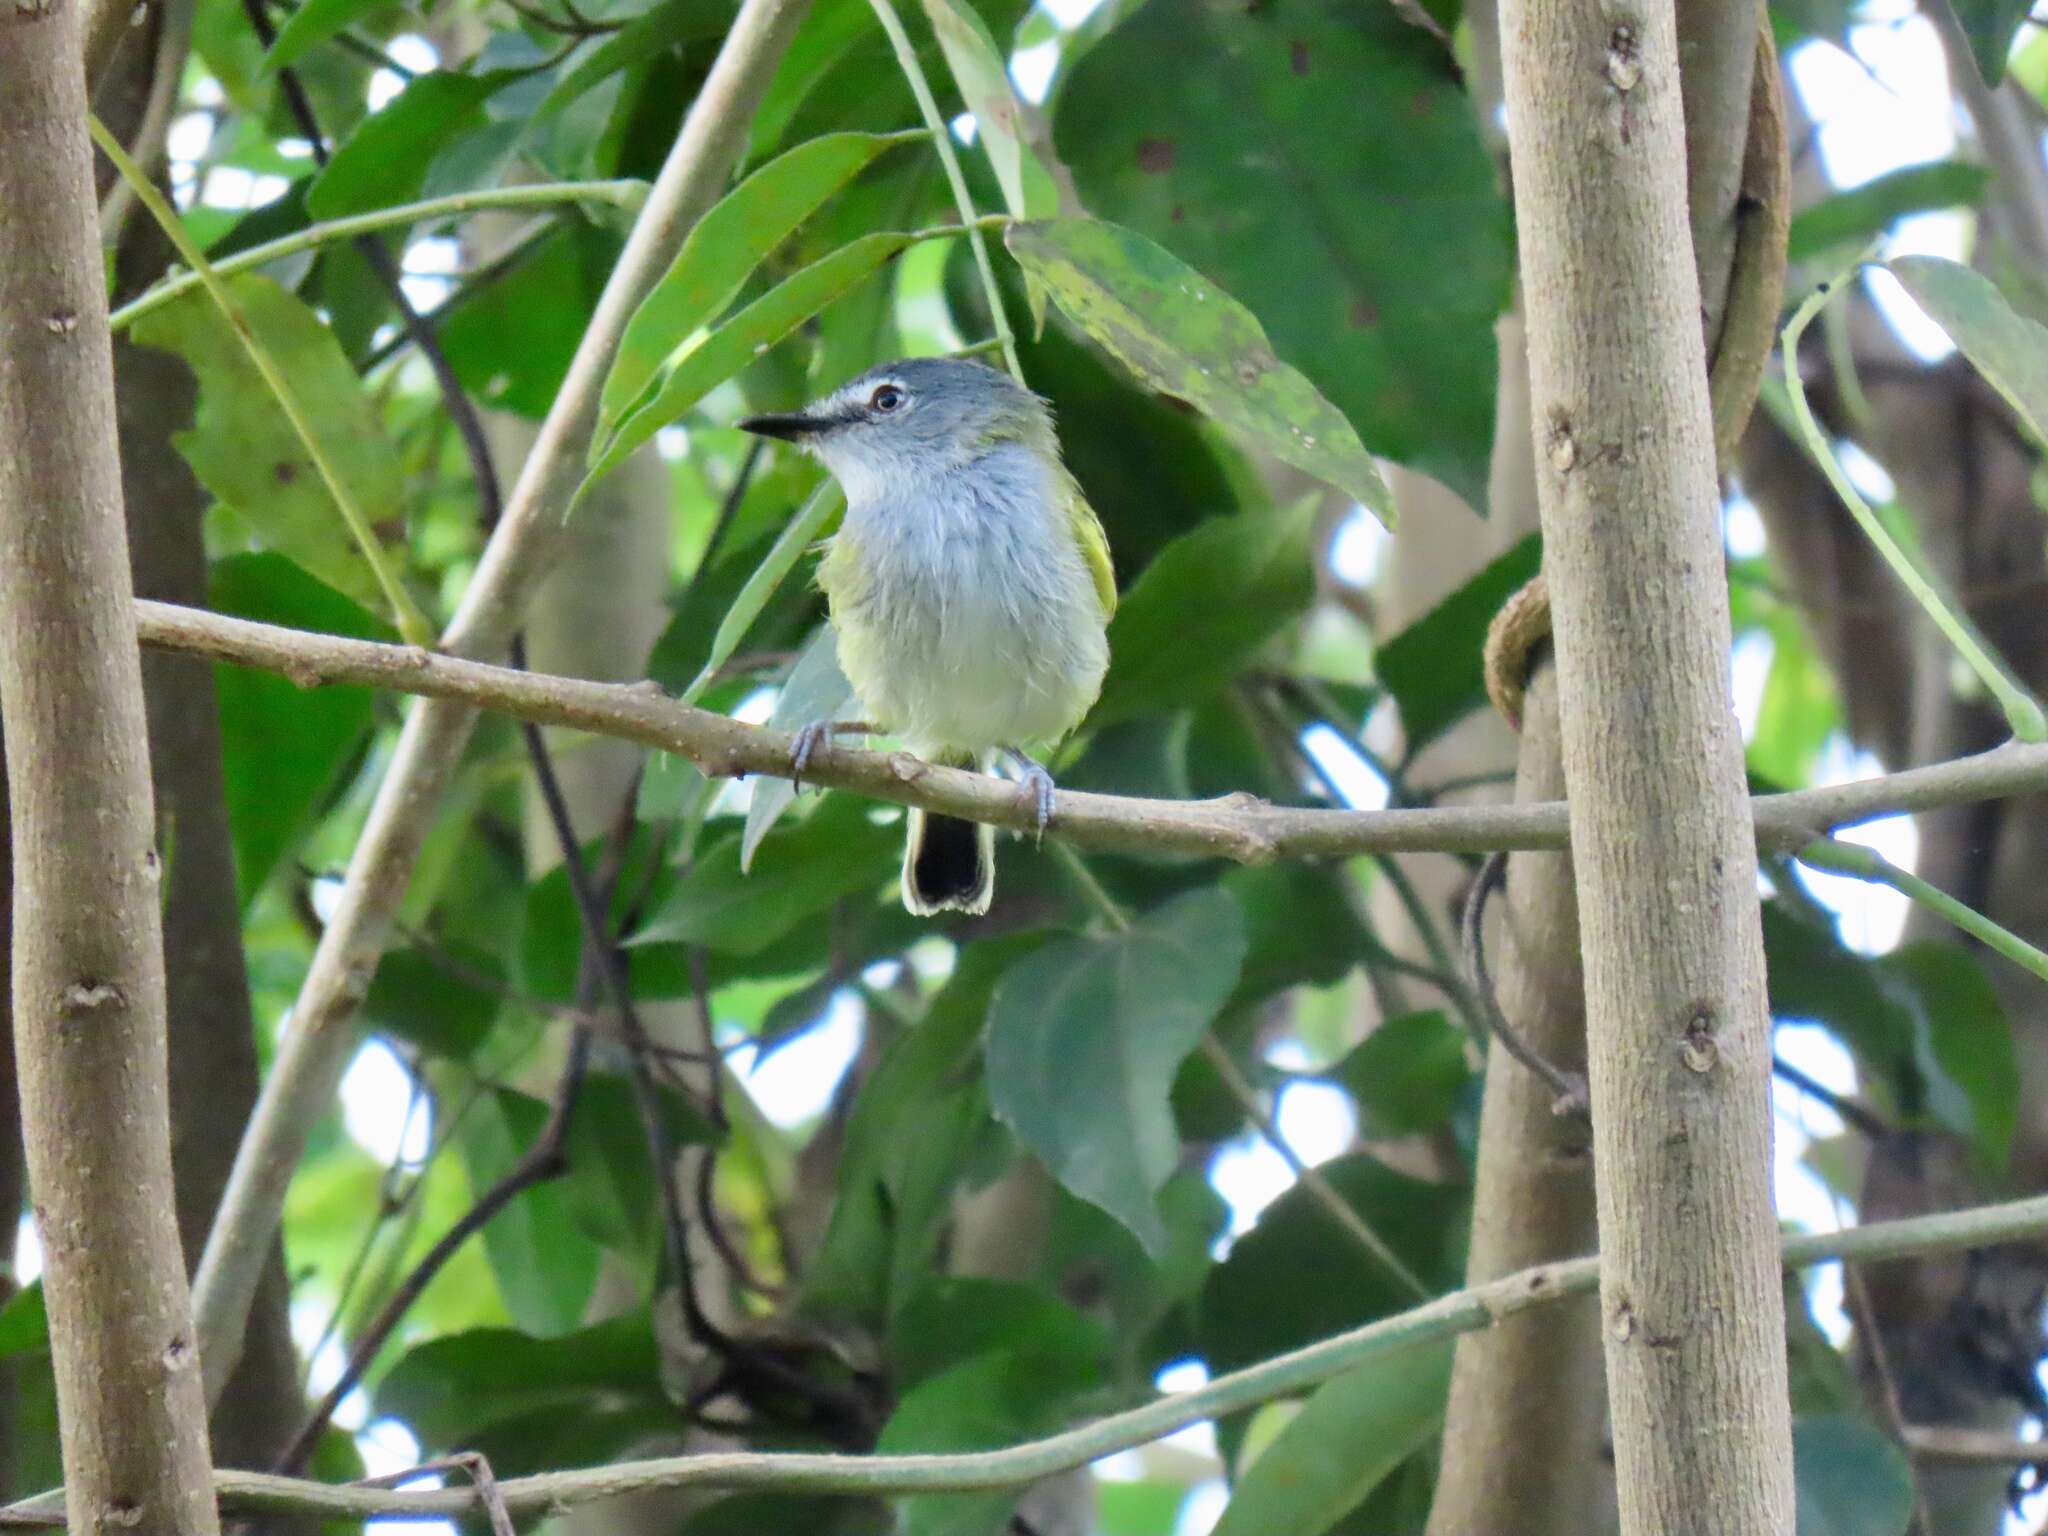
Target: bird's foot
[(1035, 785), (810, 737)]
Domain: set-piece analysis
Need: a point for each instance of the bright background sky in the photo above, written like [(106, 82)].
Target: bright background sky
[(1884, 105)]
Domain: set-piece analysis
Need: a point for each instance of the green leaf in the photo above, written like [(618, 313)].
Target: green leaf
[(797, 872), (1435, 668), (952, 1319), (736, 342), (1084, 1038), (2010, 350), (1991, 25), (449, 1389), (1849, 1479), (1962, 1044), (1854, 217), (310, 25), (810, 524), (1204, 607), (24, 1322), (1182, 334), (385, 161), (285, 750), (1139, 1508), (1298, 928), (725, 247), (1297, 1276), (1406, 1075), (653, 32), (545, 1275), (1353, 1431), (990, 1401), (510, 341), (242, 446), (815, 691), (895, 1192), (1321, 161), (419, 998)]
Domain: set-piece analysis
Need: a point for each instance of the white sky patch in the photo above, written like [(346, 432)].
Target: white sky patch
[(1872, 916), (1069, 13), (964, 127), (1202, 1508), (1031, 70), (1186, 1376), (1749, 666), (190, 137), (414, 53), (796, 1083), (1743, 529), (1865, 473), (387, 1446), (673, 443), (1801, 1120), (1360, 786), (375, 1096), (1357, 548), (28, 1251)]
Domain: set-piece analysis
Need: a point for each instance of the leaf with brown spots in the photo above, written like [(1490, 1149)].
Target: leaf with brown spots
[(1189, 339)]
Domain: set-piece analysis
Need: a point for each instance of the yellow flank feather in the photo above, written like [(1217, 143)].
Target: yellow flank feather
[(1094, 545)]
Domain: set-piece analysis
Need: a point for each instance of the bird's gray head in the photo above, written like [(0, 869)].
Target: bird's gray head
[(911, 418)]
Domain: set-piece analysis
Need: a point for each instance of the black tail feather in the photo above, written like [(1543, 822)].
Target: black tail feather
[(948, 865)]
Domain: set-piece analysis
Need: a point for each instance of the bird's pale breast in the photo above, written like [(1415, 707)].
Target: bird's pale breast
[(966, 615)]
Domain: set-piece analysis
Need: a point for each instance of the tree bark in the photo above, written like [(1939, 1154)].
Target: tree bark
[(88, 964), (1662, 839), (1526, 1418)]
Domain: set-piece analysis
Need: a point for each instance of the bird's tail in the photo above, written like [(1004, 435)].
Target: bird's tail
[(949, 865)]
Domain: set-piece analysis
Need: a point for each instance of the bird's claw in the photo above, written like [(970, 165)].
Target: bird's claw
[(802, 746), (1036, 787)]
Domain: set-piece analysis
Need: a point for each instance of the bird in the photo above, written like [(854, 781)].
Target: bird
[(969, 586)]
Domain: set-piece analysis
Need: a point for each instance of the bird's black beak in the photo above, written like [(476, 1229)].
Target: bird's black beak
[(792, 428)]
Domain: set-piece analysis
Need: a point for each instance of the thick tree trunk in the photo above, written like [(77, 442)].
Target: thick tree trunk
[(1691, 1306), (88, 961)]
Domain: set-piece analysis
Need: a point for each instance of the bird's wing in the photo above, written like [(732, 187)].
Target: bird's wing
[(1094, 546)]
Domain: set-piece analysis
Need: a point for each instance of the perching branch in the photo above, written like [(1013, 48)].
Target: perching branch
[(1238, 827), (1466, 1311), (314, 1053)]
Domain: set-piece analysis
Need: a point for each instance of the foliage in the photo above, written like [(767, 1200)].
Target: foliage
[(1262, 248)]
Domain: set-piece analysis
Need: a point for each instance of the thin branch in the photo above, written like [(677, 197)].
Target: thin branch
[(315, 1051), (1241, 827), (628, 195), (1868, 864), (1973, 1447), (1320, 1189), (1464, 1311)]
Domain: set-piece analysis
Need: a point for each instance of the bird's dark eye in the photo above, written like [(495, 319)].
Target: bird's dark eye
[(886, 398)]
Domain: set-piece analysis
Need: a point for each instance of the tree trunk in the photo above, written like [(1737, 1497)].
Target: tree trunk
[(88, 961), (1663, 847)]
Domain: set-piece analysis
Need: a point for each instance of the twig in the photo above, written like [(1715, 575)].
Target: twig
[(1321, 1189), (307, 1072), (1464, 1311), (1868, 864), (1858, 1295), (1569, 1088), (1857, 1116), (1240, 827), (480, 1477), (1973, 1447), (942, 142), (619, 194)]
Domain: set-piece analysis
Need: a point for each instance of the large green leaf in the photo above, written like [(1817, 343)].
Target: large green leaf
[(952, 1319), (797, 872), (2006, 347), (989, 1401), (510, 341), (385, 161), (243, 448), (1849, 1479), (1320, 160), (310, 25), (1435, 668), (1084, 1038), (1352, 1432), (730, 346), (1406, 1076), (725, 247), (1201, 610), (1185, 336), (544, 1272), (1991, 26), (285, 750), (1849, 219)]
